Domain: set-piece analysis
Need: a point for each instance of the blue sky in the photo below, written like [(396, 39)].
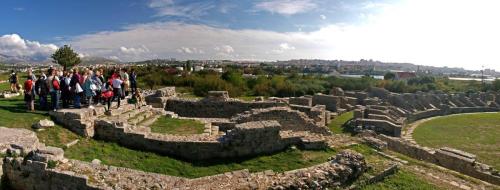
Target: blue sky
[(50, 20), (418, 31)]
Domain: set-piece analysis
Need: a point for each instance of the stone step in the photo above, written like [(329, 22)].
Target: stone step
[(149, 121), (140, 117), (215, 130), (129, 114)]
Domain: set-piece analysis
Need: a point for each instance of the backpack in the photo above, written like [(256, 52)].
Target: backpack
[(55, 84), (13, 78)]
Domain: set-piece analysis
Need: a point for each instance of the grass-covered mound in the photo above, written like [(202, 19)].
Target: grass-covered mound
[(475, 133), (177, 126)]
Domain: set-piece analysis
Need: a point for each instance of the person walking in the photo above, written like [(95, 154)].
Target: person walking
[(13, 81), (54, 88), (29, 97)]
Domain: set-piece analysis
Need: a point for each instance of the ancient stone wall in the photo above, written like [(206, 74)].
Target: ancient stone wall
[(303, 101), (214, 109), (332, 103), (30, 174), (35, 175), (80, 121), (318, 113), (380, 126), (246, 139), (289, 119), (160, 97), (457, 160)]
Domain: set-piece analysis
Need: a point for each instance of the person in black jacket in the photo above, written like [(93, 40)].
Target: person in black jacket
[(65, 90), (42, 90)]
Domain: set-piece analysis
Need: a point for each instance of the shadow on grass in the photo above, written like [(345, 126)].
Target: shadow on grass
[(21, 108)]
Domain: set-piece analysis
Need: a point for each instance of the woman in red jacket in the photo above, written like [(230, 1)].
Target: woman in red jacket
[(29, 97)]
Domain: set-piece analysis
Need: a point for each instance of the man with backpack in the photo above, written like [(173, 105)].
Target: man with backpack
[(54, 88), (42, 90)]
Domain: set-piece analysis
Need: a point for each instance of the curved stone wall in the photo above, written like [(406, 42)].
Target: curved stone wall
[(209, 108)]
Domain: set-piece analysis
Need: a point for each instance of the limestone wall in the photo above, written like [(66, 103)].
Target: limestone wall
[(303, 101), (72, 174), (457, 160), (35, 175), (380, 126), (289, 119), (246, 139), (80, 121), (214, 109), (332, 103), (159, 98), (318, 113)]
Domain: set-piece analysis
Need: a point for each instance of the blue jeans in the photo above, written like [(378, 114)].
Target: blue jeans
[(43, 102), (77, 101), (54, 98)]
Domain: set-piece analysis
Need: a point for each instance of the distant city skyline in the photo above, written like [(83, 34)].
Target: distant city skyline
[(453, 33)]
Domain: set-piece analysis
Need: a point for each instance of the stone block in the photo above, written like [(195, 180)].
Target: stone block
[(45, 123)]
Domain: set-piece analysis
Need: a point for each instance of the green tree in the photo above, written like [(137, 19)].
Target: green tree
[(66, 57), (496, 85), (153, 79), (389, 76)]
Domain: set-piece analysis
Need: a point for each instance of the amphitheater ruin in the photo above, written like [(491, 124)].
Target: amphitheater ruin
[(235, 129)]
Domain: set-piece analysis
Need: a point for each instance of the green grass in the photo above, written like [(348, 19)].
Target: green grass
[(177, 126), (402, 180), (113, 154), (475, 133), (336, 125), (14, 115)]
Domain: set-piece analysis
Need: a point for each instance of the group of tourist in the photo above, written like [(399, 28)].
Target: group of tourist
[(76, 88)]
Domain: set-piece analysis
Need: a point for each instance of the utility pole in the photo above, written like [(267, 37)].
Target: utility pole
[(482, 76)]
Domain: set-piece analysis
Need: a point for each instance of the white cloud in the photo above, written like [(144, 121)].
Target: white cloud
[(227, 49), (286, 7), (14, 45), (131, 50), (173, 8), (411, 31), (19, 9), (187, 50), (323, 17)]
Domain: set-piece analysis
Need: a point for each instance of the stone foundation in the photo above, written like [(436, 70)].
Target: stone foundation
[(449, 158), (27, 173), (289, 119), (246, 139), (210, 108)]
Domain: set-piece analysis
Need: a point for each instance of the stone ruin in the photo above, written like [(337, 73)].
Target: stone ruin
[(44, 168), (235, 128), (387, 113), (8, 94)]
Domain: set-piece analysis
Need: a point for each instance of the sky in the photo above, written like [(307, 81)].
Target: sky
[(453, 33)]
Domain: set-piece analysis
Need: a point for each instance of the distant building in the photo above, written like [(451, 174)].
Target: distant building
[(219, 70), (403, 75), (198, 68)]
